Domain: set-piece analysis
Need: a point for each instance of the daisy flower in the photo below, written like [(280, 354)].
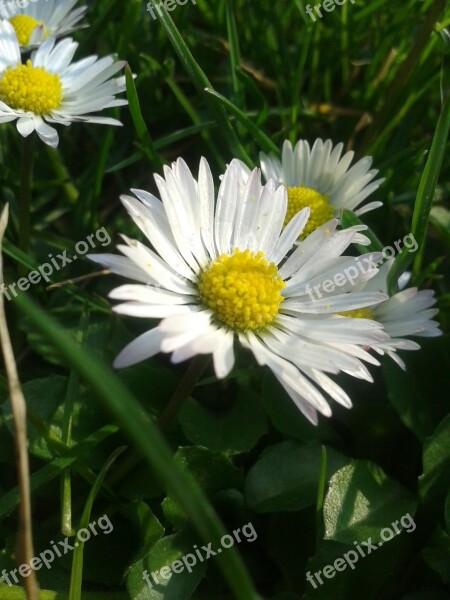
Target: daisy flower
[(40, 19), (218, 272), (50, 88), (321, 178), (407, 313)]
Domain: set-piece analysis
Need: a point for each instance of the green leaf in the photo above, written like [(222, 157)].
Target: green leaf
[(212, 471), (166, 584), (362, 501), (435, 480), (286, 476), (409, 391), (142, 517), (45, 398), (437, 554), (426, 594), (234, 431), (286, 417), (145, 437), (138, 120), (352, 575), (263, 141)]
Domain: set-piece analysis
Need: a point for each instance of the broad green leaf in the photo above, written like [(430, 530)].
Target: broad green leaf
[(352, 575), (286, 476), (409, 391), (434, 483), (286, 417), (426, 594), (146, 522), (212, 471), (235, 429), (172, 552), (45, 398), (437, 554), (362, 501)]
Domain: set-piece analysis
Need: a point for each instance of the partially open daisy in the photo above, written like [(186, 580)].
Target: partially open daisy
[(408, 313), (320, 178), (49, 88), (218, 272), (38, 20)]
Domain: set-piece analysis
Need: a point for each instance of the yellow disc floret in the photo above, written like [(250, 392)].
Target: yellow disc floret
[(358, 313), (243, 289), (29, 88), (321, 210), (24, 26)]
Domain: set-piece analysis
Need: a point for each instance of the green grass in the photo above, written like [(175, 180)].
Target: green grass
[(225, 79)]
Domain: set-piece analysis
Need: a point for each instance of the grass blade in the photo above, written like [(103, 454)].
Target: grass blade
[(146, 438), (424, 199), (76, 575)]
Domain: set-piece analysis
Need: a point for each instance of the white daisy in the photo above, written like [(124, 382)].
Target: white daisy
[(218, 272), (40, 19), (49, 88), (321, 179), (407, 313)]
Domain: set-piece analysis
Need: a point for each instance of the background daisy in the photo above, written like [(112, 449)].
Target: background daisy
[(49, 88), (219, 272), (37, 21), (405, 314), (321, 178)]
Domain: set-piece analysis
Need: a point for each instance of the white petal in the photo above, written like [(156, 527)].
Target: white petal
[(143, 347)]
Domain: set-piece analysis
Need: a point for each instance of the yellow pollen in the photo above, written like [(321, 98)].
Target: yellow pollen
[(23, 26), (321, 210), (29, 88), (243, 289), (358, 313)]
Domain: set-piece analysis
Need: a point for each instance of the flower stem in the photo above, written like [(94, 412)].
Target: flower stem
[(26, 171), (193, 373), (181, 394)]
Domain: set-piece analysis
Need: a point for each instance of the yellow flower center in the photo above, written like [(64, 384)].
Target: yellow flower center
[(358, 313), (243, 289), (321, 210), (29, 88), (23, 26)]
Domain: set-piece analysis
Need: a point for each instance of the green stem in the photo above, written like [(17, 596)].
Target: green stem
[(190, 379), (181, 394), (26, 171)]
